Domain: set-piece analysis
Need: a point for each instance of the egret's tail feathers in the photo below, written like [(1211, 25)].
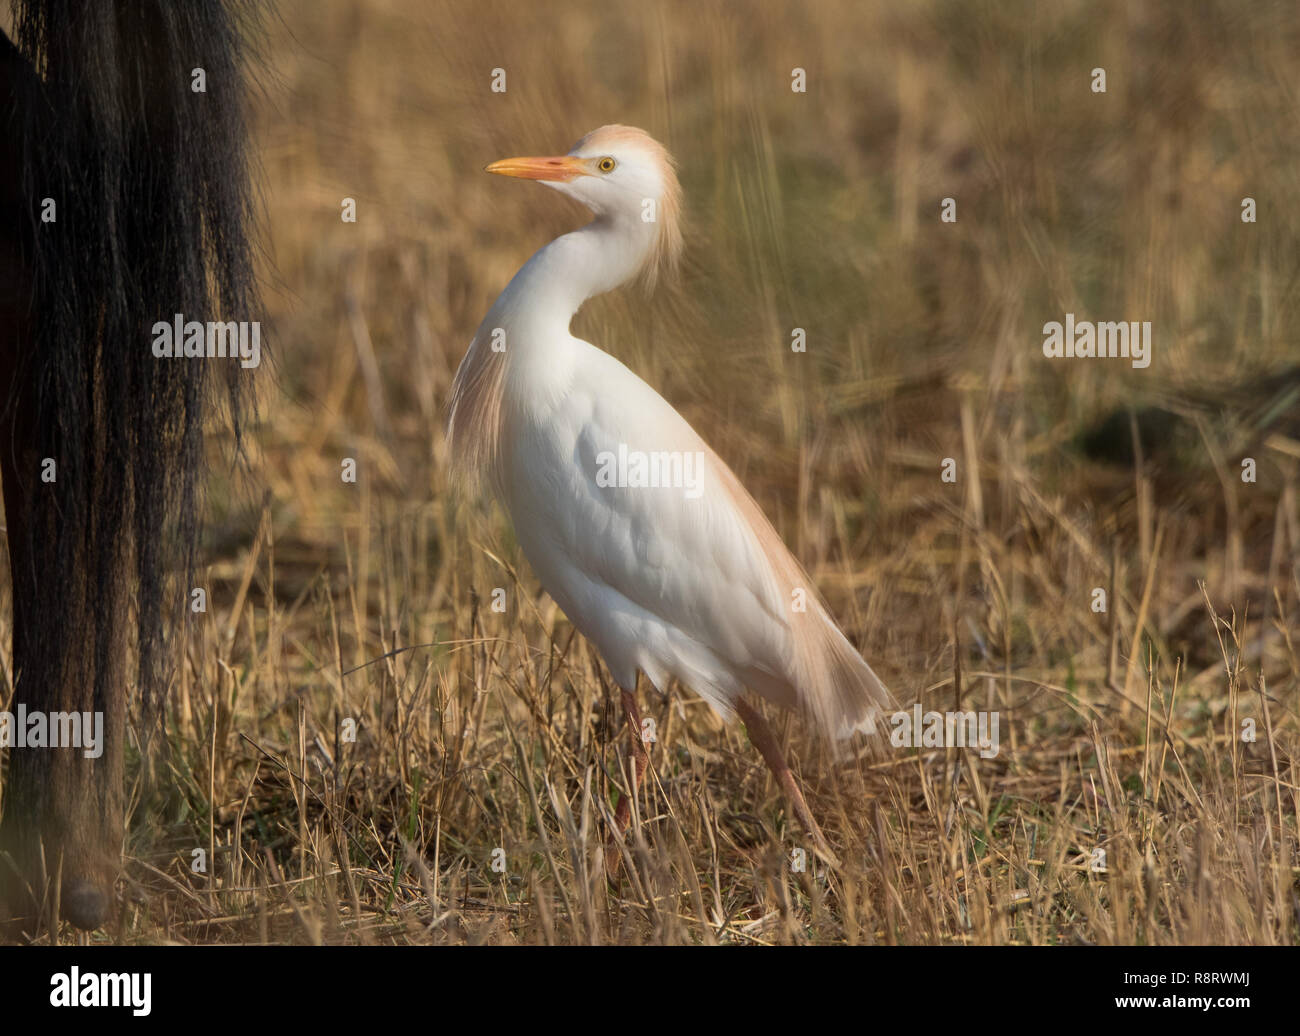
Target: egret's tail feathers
[(825, 678), (837, 687)]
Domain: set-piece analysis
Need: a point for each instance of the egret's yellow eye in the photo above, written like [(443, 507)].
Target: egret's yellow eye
[(606, 164)]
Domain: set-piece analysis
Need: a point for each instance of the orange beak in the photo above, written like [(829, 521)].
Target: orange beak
[(560, 169)]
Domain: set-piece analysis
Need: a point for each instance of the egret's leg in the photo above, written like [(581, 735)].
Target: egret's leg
[(765, 741), (640, 764)]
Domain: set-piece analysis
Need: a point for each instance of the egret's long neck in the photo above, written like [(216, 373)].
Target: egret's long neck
[(523, 354), (551, 287)]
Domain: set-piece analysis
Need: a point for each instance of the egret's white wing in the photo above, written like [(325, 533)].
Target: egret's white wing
[(685, 580)]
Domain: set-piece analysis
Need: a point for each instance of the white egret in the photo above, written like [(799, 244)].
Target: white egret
[(641, 534)]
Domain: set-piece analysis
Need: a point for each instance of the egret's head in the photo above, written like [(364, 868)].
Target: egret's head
[(621, 174)]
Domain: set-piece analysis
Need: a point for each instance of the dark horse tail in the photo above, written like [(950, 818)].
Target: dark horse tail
[(136, 205)]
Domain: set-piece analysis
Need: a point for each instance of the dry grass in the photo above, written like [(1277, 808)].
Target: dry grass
[(478, 730)]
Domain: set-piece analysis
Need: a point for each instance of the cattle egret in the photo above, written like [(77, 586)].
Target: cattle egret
[(636, 528)]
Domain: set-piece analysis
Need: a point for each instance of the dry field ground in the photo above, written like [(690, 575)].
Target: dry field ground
[(1123, 806)]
